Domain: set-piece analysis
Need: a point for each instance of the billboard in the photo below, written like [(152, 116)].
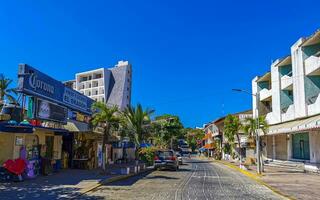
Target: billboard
[(46, 110), (35, 83)]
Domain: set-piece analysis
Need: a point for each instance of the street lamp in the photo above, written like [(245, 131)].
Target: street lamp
[(259, 163)]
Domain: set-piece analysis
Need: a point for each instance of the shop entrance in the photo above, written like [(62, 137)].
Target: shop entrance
[(300, 146)]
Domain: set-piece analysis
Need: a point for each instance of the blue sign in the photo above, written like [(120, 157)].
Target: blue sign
[(38, 84)]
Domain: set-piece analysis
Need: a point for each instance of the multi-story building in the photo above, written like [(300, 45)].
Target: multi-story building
[(289, 97), (109, 85), (214, 136)]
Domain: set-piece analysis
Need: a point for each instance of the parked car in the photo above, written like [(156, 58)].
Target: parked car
[(179, 158), (166, 159)]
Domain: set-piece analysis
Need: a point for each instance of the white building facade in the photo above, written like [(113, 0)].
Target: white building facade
[(109, 85), (289, 97)]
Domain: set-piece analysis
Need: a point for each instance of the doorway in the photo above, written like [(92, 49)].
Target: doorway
[(300, 146)]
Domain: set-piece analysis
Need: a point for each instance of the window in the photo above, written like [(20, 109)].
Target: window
[(98, 75), (89, 93), (102, 99), (96, 92)]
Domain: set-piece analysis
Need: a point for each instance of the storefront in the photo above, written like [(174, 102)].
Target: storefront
[(297, 140), (87, 149), (39, 147)]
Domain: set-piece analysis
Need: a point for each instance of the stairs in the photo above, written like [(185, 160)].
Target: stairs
[(292, 166)]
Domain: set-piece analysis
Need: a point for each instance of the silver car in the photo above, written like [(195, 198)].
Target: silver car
[(166, 159)]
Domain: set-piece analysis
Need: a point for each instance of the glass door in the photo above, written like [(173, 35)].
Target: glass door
[(300, 146)]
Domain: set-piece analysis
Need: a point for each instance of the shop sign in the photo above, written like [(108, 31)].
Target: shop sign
[(35, 83), (51, 112)]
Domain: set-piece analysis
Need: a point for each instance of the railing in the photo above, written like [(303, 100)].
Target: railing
[(287, 113), (313, 105), (286, 81), (312, 64), (265, 93)]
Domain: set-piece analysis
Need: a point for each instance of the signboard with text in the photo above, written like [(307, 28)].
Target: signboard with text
[(35, 83)]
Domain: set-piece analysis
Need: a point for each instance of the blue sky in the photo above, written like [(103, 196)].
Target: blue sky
[(186, 55)]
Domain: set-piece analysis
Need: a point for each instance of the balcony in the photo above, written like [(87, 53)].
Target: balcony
[(288, 114), (314, 108), (286, 82), (312, 65), (270, 118), (265, 94)]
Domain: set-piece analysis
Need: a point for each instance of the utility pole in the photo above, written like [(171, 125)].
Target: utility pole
[(258, 151), (259, 165)]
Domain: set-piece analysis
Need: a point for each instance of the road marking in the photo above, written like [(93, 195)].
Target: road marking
[(184, 183), (204, 180)]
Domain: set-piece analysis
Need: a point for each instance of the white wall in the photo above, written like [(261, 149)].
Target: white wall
[(314, 140), (298, 75), (275, 87)]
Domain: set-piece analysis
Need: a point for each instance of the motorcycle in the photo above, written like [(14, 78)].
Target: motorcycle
[(12, 170)]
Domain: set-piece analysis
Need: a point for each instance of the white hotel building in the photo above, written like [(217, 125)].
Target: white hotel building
[(109, 85), (289, 97)]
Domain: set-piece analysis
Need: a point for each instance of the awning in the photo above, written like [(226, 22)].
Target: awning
[(209, 146), (75, 126), (10, 128), (305, 124)]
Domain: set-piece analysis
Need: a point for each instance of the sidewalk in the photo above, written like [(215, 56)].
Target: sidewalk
[(297, 185), (65, 184), (61, 185)]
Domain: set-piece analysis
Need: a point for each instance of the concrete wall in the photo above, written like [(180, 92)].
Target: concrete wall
[(6, 144), (281, 149), (120, 93), (298, 74), (275, 80), (314, 139)]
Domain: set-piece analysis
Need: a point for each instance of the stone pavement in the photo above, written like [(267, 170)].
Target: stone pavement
[(297, 185), (62, 185)]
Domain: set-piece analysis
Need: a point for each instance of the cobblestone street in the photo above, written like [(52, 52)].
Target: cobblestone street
[(195, 180)]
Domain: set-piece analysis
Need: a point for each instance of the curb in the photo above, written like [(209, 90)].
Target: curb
[(109, 180), (255, 177)]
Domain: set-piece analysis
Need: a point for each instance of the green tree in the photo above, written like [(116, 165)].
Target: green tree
[(250, 125), (232, 127), (5, 91), (193, 136), (138, 120), (171, 128), (108, 118), (158, 135)]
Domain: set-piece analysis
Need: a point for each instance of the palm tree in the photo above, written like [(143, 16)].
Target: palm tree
[(5, 91), (138, 119), (109, 118), (250, 125), (232, 127)]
